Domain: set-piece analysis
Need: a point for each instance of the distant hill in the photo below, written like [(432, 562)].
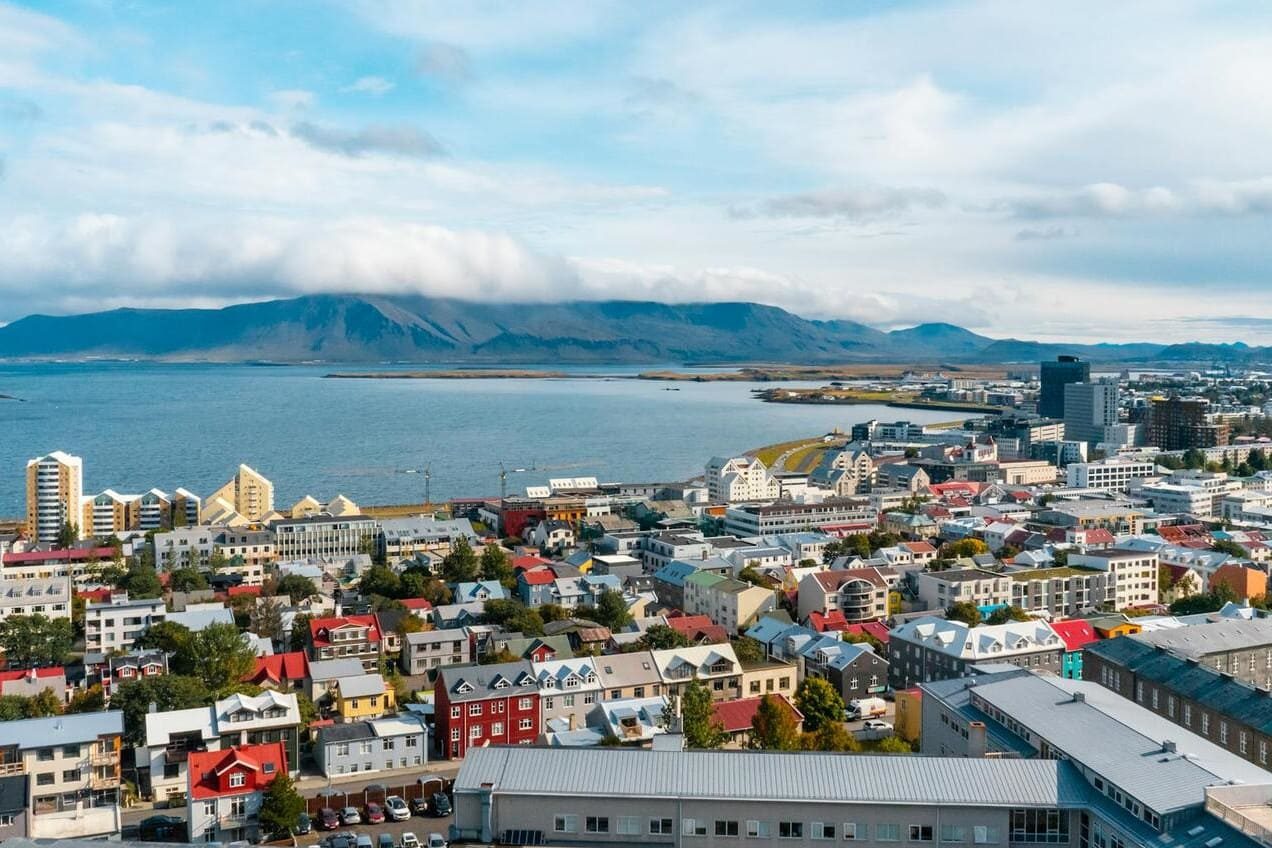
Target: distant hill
[(367, 328)]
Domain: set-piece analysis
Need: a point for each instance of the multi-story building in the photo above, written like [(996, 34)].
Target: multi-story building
[(1133, 576), (118, 669), (740, 478), (362, 696), (404, 538), (110, 514), (49, 597), (931, 648), (225, 791), (186, 507), (854, 669), (247, 495), (859, 594), (630, 676), (428, 650), (117, 624), (568, 689), (81, 565), (732, 604), (715, 666), (324, 536), (350, 636), (657, 551), (770, 519), (380, 745), (943, 589), (154, 511), (1090, 409), (181, 547), (246, 552), (484, 705), (1184, 423), (1054, 377), (54, 492), (1062, 591), (1114, 474), (71, 769), (1113, 516)]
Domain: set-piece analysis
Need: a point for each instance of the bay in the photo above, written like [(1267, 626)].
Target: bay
[(144, 425)]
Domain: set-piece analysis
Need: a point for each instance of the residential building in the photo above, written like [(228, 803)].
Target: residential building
[(859, 594), (982, 589), (1054, 377), (931, 648), (854, 669), (225, 790), (380, 745), (353, 636), (49, 597), (568, 689), (110, 514), (324, 536), (363, 696), (247, 495), (631, 676), (285, 672), (1114, 474), (54, 491), (245, 552), (183, 547), (633, 720), (117, 624), (778, 518), (738, 479), (71, 768), (733, 604), (737, 718), (118, 669), (1133, 576), (1090, 409), (1184, 423), (715, 666), (484, 705), (323, 674), (657, 551), (428, 650), (1064, 591), (585, 590), (404, 538), (82, 565), (1077, 634), (1114, 516), (552, 534), (770, 677)]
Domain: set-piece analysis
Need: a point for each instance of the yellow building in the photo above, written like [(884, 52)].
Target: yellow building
[(908, 719), (770, 677), (363, 696), (54, 493), (248, 494)]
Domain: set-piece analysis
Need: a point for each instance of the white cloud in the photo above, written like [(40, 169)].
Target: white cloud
[(373, 85), (293, 99), (397, 140)]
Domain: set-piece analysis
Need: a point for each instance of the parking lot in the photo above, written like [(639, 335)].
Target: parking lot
[(421, 826)]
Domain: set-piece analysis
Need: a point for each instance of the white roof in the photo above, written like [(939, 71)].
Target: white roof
[(160, 726), (361, 685), (988, 641)]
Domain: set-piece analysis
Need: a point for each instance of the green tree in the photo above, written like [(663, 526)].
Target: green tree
[(460, 564), (67, 535), (1060, 557), (296, 587), (166, 692), (281, 805), (820, 703), (751, 575), (90, 700), (35, 640), (1227, 546), (872, 641), (220, 657), (1002, 615), (382, 581), (700, 726), (46, 702), (963, 548), (266, 619), (893, 745), (964, 611), (299, 631), (831, 737), (514, 616), (660, 637), (140, 581), (552, 612), (495, 565), (187, 579), (308, 711), (774, 727), (611, 610), (749, 651), (170, 637)]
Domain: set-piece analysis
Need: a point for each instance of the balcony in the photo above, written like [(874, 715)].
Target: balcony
[(109, 780), (101, 757), (8, 769)]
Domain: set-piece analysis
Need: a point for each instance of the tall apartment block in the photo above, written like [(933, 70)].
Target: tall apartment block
[(1054, 377), (248, 493), (54, 492)]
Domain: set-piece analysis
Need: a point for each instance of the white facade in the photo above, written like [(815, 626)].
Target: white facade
[(1089, 408), (1114, 474), (1134, 575), (50, 597), (740, 478), (119, 623)]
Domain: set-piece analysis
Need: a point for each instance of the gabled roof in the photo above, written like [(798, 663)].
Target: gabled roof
[(262, 761), (320, 628), (1077, 633), (277, 668), (474, 683), (360, 686), (537, 576), (738, 715)]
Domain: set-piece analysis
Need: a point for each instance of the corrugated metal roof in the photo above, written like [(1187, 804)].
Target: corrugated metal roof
[(772, 776), (60, 729)]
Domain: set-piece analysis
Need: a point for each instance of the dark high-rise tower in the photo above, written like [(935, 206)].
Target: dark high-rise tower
[(1055, 376)]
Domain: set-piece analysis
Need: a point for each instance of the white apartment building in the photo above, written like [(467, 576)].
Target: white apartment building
[(49, 597), (772, 519), (324, 536), (1114, 474), (1249, 506), (54, 492), (1194, 492), (110, 513), (184, 546), (117, 624), (1134, 576), (740, 478), (1089, 410), (943, 589)]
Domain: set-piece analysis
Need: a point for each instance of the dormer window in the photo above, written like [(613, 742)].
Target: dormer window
[(237, 779)]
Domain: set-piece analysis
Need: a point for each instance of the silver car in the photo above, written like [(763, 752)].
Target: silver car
[(396, 808)]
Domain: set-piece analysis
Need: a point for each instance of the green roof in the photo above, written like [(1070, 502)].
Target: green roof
[(705, 578), (1049, 573)]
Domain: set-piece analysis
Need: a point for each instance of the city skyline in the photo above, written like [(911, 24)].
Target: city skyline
[(1078, 175)]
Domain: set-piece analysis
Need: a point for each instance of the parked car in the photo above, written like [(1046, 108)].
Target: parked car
[(419, 806), (397, 808), (409, 840), (436, 840), (328, 819), (375, 813), (441, 805), (337, 840), (363, 841), (350, 815), (385, 841), (876, 724), (303, 824)]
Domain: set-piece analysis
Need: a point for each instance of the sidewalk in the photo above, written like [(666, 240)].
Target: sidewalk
[(310, 785)]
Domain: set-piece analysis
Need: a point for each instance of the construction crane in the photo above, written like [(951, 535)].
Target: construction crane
[(503, 478), (428, 484)]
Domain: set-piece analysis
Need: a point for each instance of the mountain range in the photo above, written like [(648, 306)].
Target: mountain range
[(373, 328)]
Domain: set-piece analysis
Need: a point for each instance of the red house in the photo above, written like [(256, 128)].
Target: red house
[(485, 705), (698, 629), (282, 672), (356, 636), (225, 789)]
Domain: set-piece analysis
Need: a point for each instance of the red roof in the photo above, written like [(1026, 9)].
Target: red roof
[(277, 668), (61, 555), (38, 673), (739, 715), (919, 547), (320, 627), (236, 591), (95, 596), (210, 770), (538, 576), (698, 628), (877, 629), (419, 604), (1077, 633), (527, 562), (822, 622)]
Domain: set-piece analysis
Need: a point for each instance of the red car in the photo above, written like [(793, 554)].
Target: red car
[(375, 813), (328, 820)]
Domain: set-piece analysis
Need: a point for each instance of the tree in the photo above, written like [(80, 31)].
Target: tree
[(281, 805), (299, 631), (460, 564), (305, 704), (513, 615), (611, 610), (553, 612), (893, 745), (90, 700), (1060, 557), (220, 657), (14, 707), (774, 727), (296, 587), (701, 728), (187, 579), (831, 737), (35, 640), (1227, 546), (382, 581), (169, 637), (964, 611), (67, 535), (140, 581), (963, 548), (1219, 594), (820, 703), (660, 637), (870, 640), (1002, 615), (266, 620), (751, 575), (166, 692), (749, 651), (495, 566)]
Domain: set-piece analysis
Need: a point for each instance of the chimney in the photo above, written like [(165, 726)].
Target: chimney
[(574, 721), (154, 708), (487, 792), (1079, 697), (976, 739), (1168, 747)]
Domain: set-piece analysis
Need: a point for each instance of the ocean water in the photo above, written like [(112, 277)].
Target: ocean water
[(143, 425)]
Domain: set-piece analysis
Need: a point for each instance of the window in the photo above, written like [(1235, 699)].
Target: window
[(659, 827), (525, 724), (757, 829), (366, 747), (693, 827), (629, 825), (524, 703), (566, 824), (823, 830), (953, 833), (983, 835), (597, 824), (850, 831), (474, 709), (724, 827), (1040, 825), (454, 712), (454, 734), (474, 732), (71, 776), (45, 779), (44, 755), (790, 830), (412, 741), (920, 833), (72, 751), (496, 728), (238, 779)]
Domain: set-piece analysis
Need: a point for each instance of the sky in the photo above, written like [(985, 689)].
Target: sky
[(1079, 171)]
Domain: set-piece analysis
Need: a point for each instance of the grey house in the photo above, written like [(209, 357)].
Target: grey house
[(386, 744), (429, 650)]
